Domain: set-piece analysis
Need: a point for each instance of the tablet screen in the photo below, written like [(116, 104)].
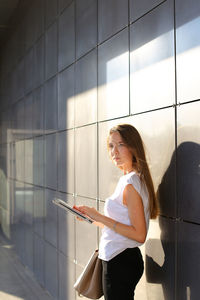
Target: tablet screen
[(69, 208)]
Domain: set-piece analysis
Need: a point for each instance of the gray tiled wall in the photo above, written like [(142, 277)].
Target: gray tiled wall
[(70, 71)]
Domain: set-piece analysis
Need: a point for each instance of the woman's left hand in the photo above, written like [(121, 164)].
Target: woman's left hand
[(91, 212)]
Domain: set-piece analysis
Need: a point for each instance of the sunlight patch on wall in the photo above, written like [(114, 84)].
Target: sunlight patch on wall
[(188, 60), (152, 74), (188, 66)]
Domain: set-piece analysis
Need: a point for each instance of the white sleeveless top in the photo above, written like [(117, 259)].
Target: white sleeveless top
[(112, 243)]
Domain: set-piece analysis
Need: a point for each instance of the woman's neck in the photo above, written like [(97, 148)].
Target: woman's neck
[(127, 171)]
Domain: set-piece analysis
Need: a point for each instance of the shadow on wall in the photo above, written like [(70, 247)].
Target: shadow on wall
[(162, 271), (4, 201)]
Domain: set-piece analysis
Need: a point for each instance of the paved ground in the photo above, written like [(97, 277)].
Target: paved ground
[(16, 281)]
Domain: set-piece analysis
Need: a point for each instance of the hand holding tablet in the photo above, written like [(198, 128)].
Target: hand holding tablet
[(73, 210)]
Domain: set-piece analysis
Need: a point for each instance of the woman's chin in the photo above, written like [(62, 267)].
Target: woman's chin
[(118, 165)]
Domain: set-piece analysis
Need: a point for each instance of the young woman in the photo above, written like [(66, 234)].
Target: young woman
[(127, 213)]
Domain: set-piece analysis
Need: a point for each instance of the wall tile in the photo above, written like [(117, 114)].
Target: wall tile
[(63, 4), (14, 86), (112, 17), (21, 78), (28, 248), (11, 184), (13, 111), (188, 153), (12, 161), (67, 278), (86, 236), (28, 225), (39, 12), (86, 26), (50, 160), (51, 51), (20, 37), (19, 120), (28, 116), (39, 258), (66, 161), (29, 70), (9, 160), (85, 161), (188, 270), (51, 105), (160, 261), (50, 218), (19, 235), (38, 213), (39, 61), (51, 8), (28, 206), (51, 270), (152, 60), (4, 187), (86, 89), (30, 26), (5, 217), (38, 161), (38, 111), (141, 7), (187, 48), (19, 153), (12, 78), (66, 38), (6, 127), (113, 77), (66, 98), (28, 167), (66, 230)]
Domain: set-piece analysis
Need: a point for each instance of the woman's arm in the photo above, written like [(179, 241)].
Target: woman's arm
[(137, 231), (133, 200)]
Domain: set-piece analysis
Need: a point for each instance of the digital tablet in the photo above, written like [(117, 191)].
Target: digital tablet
[(74, 211)]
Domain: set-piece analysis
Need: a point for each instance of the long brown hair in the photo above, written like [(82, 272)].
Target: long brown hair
[(133, 140)]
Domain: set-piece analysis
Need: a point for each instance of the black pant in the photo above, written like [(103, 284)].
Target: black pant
[(121, 274)]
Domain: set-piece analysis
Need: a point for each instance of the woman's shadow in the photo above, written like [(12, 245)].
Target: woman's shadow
[(178, 196)]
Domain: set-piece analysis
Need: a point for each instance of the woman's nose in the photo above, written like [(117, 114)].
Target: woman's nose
[(115, 150)]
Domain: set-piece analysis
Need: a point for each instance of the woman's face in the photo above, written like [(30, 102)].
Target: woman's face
[(119, 152)]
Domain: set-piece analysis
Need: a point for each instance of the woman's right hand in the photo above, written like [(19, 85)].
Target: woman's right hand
[(90, 212), (76, 207)]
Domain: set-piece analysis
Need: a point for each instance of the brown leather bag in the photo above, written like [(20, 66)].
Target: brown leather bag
[(89, 283)]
